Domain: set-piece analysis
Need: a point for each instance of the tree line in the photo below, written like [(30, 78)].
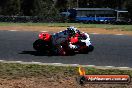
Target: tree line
[(26, 7), (52, 7)]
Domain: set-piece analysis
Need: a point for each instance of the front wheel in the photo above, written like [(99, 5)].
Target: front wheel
[(91, 48), (83, 50), (86, 49)]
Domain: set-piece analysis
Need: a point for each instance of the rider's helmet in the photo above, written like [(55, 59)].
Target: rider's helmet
[(77, 31), (71, 31), (45, 36)]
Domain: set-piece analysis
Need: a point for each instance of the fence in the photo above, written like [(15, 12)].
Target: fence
[(46, 19), (30, 19)]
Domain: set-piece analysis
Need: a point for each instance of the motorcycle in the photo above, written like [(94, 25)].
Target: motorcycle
[(46, 45)]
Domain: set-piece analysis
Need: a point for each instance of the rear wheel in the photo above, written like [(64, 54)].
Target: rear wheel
[(38, 45), (41, 45)]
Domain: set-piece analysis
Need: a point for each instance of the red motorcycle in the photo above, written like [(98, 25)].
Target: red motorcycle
[(45, 44)]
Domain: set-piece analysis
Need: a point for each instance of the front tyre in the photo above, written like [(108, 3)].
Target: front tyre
[(91, 48), (84, 50)]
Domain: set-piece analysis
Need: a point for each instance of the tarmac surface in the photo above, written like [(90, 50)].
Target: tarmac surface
[(110, 50)]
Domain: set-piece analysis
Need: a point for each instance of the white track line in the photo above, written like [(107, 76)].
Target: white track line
[(19, 61), (99, 33), (123, 67), (56, 63), (35, 62), (61, 64), (13, 30), (43, 31), (109, 66), (119, 34), (1, 60), (94, 33)]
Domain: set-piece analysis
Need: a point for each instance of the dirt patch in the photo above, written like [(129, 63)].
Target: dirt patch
[(36, 83), (56, 29), (42, 82)]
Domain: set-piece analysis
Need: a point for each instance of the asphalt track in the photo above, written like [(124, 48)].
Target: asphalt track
[(110, 50)]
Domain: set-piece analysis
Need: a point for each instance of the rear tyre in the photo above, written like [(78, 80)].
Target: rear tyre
[(38, 45), (41, 45)]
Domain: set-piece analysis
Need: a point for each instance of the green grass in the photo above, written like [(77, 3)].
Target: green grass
[(78, 25), (15, 70)]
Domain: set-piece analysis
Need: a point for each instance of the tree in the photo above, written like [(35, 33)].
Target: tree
[(129, 7), (61, 4), (82, 3), (2, 6), (26, 7), (37, 7), (47, 7), (10, 7), (72, 4)]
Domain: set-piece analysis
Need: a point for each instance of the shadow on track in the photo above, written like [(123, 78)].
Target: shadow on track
[(36, 53)]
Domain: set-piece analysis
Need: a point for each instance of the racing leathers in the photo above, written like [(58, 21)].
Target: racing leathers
[(63, 36), (84, 38), (60, 37), (87, 40), (60, 40)]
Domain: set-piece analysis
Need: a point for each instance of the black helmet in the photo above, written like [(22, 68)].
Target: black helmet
[(71, 31)]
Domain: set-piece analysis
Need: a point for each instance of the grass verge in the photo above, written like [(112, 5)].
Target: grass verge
[(16, 70), (78, 25)]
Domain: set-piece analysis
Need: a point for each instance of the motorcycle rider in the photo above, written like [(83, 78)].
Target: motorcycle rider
[(63, 41), (72, 34)]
